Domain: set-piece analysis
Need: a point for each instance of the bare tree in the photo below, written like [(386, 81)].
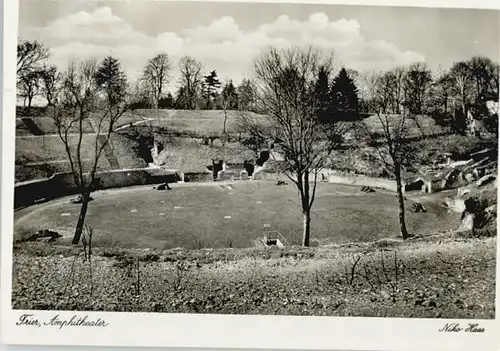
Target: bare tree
[(156, 75), (484, 74), (30, 55), (390, 140), (85, 100), (50, 79), (190, 79), (228, 101), (286, 81), (417, 82), (29, 84), (368, 82), (463, 91), (254, 131), (398, 98), (442, 90), (385, 91)]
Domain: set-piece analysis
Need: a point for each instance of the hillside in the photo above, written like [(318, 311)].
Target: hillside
[(196, 122), (416, 279), (191, 140), (40, 152)]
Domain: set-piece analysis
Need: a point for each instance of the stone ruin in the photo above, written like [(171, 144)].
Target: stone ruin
[(420, 184), (477, 214), (155, 153), (44, 234), (480, 167), (367, 189), (221, 170), (79, 199), (418, 207), (216, 167), (272, 239)]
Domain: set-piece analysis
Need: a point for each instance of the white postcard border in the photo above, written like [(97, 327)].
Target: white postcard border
[(215, 331)]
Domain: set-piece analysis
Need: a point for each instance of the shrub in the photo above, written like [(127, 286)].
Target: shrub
[(485, 232)]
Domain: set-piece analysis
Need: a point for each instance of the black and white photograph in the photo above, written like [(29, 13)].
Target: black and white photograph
[(246, 158)]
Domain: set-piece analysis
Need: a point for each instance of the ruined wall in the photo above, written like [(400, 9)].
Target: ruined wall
[(62, 184), (197, 177), (360, 180)]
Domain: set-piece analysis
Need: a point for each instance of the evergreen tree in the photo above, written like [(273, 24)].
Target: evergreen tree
[(322, 96), (111, 78), (246, 95), (344, 97), (229, 96), (166, 102), (210, 86)]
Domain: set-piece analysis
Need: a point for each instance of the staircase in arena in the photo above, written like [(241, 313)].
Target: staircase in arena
[(32, 127)]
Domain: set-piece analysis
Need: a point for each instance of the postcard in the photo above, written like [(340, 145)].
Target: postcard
[(257, 175)]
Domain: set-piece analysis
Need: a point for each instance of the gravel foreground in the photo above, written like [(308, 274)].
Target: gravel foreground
[(440, 277)]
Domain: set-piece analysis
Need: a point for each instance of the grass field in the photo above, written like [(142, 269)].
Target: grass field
[(221, 215)]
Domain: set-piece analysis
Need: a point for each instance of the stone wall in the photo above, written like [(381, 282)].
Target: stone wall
[(197, 177), (360, 180), (332, 176), (62, 184)]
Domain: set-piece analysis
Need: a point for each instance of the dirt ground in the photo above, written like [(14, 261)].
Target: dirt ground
[(442, 276)]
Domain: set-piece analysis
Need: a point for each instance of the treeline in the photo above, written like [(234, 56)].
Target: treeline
[(447, 95)]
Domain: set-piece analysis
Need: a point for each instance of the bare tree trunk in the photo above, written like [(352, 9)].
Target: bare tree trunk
[(225, 122), (306, 211), (401, 201), (224, 128), (306, 229), (30, 99), (81, 217)]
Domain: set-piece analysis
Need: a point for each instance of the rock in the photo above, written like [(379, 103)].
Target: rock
[(461, 192), (417, 184), (244, 175), (367, 189), (454, 179), (486, 217), (469, 177), (456, 205), (467, 222), (79, 199), (486, 180), (491, 209), (385, 294), (314, 243), (478, 154), (418, 207), (44, 233), (461, 163)]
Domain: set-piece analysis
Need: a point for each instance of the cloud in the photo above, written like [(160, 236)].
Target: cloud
[(221, 45), (222, 29)]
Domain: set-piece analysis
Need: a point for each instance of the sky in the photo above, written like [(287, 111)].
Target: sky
[(226, 37)]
